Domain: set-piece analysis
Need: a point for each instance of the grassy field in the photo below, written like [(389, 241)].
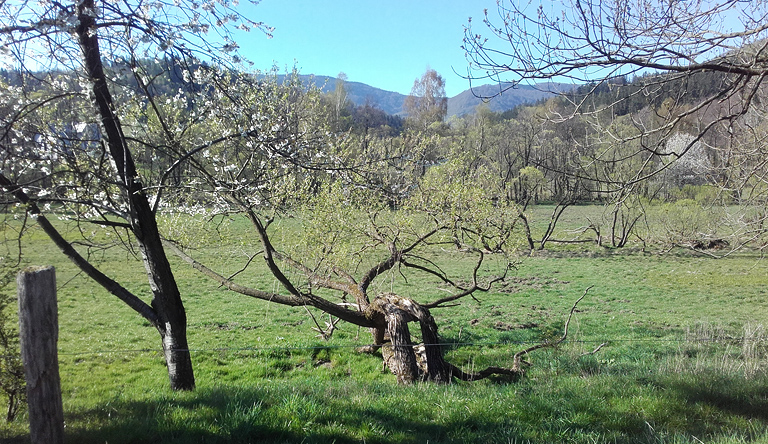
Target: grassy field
[(684, 359)]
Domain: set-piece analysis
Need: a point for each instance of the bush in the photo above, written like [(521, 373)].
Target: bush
[(703, 194), (684, 221), (12, 383)]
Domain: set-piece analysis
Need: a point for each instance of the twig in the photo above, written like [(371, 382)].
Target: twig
[(250, 259), (518, 358), (594, 351), (318, 329), (517, 370)]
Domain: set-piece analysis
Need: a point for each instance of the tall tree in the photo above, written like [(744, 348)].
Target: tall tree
[(427, 103), (86, 163), (340, 99)]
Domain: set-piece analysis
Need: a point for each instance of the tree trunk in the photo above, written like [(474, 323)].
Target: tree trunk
[(177, 358), (527, 227), (556, 213), (401, 354), (166, 297), (398, 355), (436, 368)]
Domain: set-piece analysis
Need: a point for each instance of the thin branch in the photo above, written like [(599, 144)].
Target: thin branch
[(83, 264), (517, 370), (597, 349), (293, 300), (517, 359)]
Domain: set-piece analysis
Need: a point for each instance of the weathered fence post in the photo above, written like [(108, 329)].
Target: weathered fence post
[(39, 334)]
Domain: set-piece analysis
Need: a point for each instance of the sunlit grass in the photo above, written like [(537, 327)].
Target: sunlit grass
[(684, 359)]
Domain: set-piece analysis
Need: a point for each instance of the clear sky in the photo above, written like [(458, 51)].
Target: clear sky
[(386, 44)]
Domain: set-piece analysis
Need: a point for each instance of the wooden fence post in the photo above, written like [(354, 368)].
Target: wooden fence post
[(39, 334)]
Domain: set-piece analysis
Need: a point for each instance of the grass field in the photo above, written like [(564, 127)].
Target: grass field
[(684, 359)]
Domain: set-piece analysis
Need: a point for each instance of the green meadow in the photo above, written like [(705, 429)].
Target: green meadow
[(666, 347)]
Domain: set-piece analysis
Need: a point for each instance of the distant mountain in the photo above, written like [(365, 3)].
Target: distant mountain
[(462, 104), (387, 101), (500, 100), (360, 93)]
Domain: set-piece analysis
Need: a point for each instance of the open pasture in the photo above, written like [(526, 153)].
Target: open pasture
[(683, 356)]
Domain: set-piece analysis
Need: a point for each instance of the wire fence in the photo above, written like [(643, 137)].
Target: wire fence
[(449, 345)]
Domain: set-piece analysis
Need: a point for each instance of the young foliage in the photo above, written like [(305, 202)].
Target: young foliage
[(427, 104)]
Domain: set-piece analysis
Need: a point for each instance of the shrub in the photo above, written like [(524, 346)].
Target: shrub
[(12, 383)]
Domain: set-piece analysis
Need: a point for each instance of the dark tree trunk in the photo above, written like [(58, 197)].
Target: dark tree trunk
[(436, 368), (527, 227), (167, 299), (556, 213)]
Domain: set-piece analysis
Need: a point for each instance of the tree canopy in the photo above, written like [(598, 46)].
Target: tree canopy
[(64, 140), (427, 103)]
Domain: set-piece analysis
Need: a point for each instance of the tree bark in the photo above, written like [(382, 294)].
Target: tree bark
[(166, 297), (435, 367), (398, 355), (39, 334), (401, 354), (531, 245)]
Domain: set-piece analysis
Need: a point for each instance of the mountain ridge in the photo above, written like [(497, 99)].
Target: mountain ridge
[(498, 97)]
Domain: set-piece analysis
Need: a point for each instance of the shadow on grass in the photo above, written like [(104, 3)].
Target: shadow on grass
[(262, 415), (342, 412), (735, 397)]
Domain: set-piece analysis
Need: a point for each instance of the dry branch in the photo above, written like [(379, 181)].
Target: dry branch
[(517, 369), (597, 349)]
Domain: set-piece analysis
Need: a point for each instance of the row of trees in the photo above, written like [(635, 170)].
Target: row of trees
[(173, 123)]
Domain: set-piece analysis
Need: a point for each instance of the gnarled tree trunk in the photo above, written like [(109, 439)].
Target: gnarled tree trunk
[(410, 362)]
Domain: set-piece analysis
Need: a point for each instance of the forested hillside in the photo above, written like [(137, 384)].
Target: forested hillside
[(461, 104)]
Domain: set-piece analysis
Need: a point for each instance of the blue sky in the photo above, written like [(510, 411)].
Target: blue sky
[(386, 44)]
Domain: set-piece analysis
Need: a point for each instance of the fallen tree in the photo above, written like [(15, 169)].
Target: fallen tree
[(351, 239)]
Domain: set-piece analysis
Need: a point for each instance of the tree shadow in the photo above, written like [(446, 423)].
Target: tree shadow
[(238, 415), (336, 412), (725, 394)]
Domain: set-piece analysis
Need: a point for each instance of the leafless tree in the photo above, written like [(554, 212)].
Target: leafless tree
[(670, 91), (665, 47)]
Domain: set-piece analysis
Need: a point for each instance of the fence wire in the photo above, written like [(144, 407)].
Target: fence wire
[(449, 345)]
